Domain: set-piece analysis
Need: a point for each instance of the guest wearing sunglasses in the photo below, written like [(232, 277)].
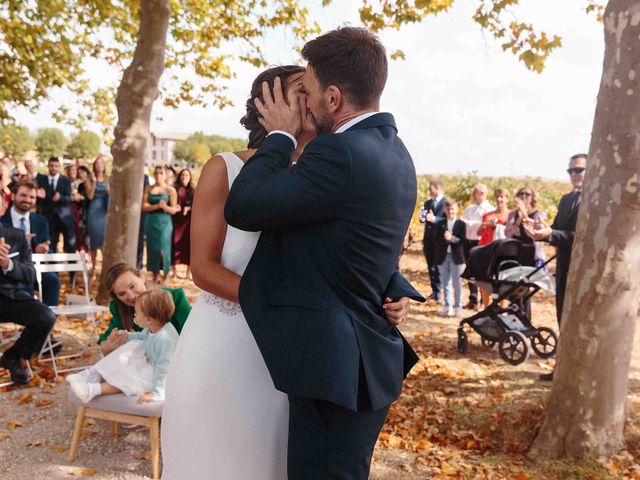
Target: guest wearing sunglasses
[(525, 203), (562, 231)]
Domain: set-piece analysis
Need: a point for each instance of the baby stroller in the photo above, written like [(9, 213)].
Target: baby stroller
[(497, 268)]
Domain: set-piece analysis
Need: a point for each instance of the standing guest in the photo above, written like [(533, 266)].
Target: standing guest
[(181, 252), (31, 168), (171, 175), (82, 204), (450, 258), (472, 217), (17, 305), (493, 227), (36, 229), (18, 171), (97, 187), (5, 181), (54, 202), (562, 231), (125, 284), (160, 202), (76, 200), (143, 217), (525, 202), (432, 213)]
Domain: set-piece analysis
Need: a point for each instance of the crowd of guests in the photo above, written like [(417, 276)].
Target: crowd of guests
[(448, 239), (72, 205)]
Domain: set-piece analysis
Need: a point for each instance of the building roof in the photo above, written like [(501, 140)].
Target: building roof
[(170, 135)]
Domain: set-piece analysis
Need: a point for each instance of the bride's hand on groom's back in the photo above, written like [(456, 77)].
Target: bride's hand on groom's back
[(278, 112), (396, 312)]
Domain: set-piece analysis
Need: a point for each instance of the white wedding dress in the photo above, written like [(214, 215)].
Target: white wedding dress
[(223, 419)]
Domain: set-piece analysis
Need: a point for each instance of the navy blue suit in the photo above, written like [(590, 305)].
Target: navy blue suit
[(16, 304), (429, 243), (332, 230), (50, 280), (58, 214)]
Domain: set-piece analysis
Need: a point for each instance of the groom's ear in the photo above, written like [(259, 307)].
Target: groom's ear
[(333, 98)]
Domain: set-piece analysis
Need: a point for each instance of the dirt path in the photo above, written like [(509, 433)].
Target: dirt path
[(460, 416)]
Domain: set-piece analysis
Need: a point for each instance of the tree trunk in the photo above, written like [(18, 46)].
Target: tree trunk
[(136, 94), (587, 407)]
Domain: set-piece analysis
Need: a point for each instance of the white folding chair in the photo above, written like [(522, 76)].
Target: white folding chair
[(67, 262)]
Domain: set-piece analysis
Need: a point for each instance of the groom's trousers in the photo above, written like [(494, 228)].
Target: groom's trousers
[(330, 442)]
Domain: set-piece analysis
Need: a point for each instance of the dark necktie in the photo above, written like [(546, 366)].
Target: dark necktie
[(53, 185), (576, 199), (23, 225)]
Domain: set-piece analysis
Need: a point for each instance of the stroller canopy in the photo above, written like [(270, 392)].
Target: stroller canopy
[(483, 262)]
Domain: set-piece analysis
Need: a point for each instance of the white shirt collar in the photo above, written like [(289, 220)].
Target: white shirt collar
[(55, 177), (353, 121), (439, 197), (16, 216)]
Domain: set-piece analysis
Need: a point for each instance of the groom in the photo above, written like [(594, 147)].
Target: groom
[(332, 229)]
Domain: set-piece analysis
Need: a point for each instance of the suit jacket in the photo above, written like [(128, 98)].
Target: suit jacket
[(12, 283), (459, 233), (39, 227), (563, 231), (430, 227), (332, 229), (61, 208)]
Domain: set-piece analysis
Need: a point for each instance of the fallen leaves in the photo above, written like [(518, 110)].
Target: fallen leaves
[(25, 398), (59, 447), (43, 403), (84, 472), (36, 442), (4, 436), (13, 424)]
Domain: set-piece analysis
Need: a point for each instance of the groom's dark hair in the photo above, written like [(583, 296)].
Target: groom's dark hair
[(352, 59)]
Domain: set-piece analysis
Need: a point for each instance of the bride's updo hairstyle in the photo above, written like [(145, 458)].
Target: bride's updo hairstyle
[(257, 133)]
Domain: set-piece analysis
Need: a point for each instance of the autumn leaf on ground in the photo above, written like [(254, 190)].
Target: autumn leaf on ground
[(48, 373), (87, 433), (2, 414), (43, 403), (35, 381), (4, 436), (59, 447), (48, 388), (12, 425), (144, 455), (36, 442), (25, 398), (84, 472)]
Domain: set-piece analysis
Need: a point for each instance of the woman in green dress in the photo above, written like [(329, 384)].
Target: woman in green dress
[(160, 202), (125, 284)]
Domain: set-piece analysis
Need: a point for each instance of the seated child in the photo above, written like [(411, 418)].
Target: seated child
[(139, 367)]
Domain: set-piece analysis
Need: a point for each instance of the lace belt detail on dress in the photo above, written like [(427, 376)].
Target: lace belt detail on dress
[(225, 306)]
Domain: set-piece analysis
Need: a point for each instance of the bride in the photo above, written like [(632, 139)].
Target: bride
[(223, 418)]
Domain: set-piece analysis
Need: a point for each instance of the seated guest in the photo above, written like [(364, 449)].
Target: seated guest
[(36, 228), (525, 207), (149, 354), (17, 305), (450, 237), (126, 284)]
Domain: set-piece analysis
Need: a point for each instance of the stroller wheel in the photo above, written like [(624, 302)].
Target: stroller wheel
[(544, 342), (513, 347), (488, 343), (463, 341)]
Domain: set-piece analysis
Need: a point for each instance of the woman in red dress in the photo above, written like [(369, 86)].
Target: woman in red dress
[(493, 226), (181, 252)]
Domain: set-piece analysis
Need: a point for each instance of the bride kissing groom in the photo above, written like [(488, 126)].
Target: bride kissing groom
[(311, 284)]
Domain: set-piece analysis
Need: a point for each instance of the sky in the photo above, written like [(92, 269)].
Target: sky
[(460, 102)]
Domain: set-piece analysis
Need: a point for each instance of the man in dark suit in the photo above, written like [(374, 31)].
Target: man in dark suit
[(562, 231), (432, 213), (36, 228), (17, 305), (332, 229), (54, 202)]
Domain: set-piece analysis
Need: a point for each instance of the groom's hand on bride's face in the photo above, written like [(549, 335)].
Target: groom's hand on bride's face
[(278, 113)]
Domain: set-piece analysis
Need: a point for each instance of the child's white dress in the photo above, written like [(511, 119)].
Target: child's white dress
[(141, 364)]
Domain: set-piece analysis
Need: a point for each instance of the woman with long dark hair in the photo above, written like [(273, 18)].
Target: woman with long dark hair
[(97, 187), (181, 248)]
